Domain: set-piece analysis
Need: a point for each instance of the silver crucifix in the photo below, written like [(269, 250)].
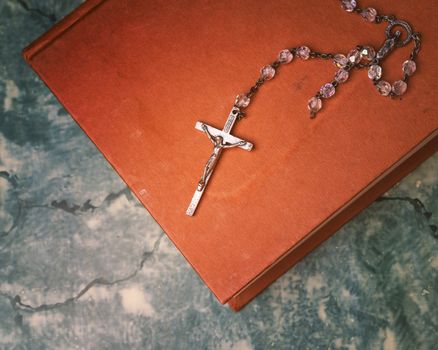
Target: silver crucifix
[(221, 139)]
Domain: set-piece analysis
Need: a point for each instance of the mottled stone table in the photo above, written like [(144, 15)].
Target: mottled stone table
[(83, 265)]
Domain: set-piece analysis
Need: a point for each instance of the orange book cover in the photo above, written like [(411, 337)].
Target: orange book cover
[(137, 75)]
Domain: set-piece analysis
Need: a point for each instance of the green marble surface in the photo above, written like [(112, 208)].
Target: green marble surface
[(83, 265)]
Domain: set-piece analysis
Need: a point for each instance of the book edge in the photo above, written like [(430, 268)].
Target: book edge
[(401, 168), (59, 28)]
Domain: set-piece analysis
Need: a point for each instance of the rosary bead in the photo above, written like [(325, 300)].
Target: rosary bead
[(384, 88), (242, 101), (369, 14), (409, 67), (267, 72), (285, 56), (368, 54), (375, 72), (327, 90), (340, 61), (349, 5), (399, 87), (354, 56), (314, 105), (341, 76), (303, 52)]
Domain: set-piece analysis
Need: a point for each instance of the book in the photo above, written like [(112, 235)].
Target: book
[(137, 75)]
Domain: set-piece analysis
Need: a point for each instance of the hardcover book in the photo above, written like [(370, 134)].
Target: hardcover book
[(137, 75)]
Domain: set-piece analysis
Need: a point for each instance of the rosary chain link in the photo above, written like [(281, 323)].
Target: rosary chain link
[(385, 18), (253, 89), (324, 56), (417, 45)]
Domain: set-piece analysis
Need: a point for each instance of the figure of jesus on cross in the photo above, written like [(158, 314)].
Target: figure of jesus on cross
[(221, 139), (218, 145)]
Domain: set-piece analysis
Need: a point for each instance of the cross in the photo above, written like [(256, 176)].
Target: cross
[(221, 139)]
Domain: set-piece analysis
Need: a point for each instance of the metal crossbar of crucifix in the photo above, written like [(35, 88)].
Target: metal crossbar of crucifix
[(221, 139)]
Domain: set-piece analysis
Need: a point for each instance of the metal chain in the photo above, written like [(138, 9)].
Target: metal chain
[(324, 56), (347, 63)]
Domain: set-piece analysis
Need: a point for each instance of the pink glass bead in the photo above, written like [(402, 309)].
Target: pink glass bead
[(267, 72), (368, 54), (303, 52), (340, 60), (314, 105), (384, 88), (354, 56), (409, 67), (399, 87), (375, 72), (341, 76), (327, 90), (349, 5), (242, 101), (285, 56), (369, 14)]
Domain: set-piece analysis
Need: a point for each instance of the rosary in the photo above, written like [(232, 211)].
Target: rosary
[(359, 57)]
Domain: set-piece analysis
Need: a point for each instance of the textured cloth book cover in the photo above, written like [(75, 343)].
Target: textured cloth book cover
[(137, 75)]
